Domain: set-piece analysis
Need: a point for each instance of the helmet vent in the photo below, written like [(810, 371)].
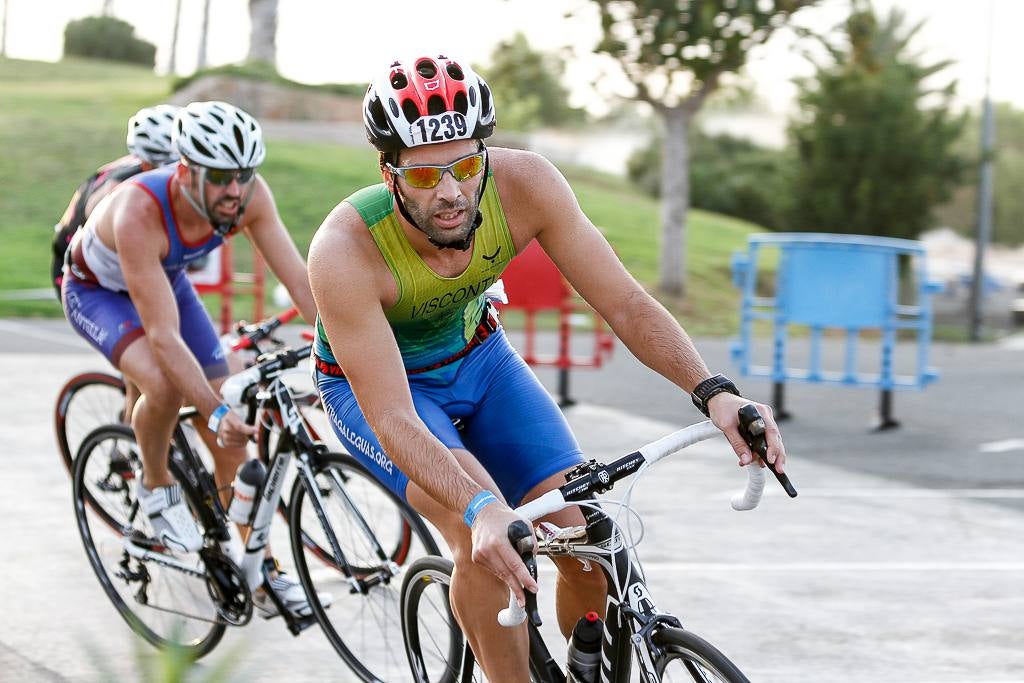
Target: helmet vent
[(202, 148), (472, 96), (239, 139), (426, 68), (399, 81), (231, 153), (410, 110), (454, 71), (394, 111), (460, 103), (485, 100), (435, 105)]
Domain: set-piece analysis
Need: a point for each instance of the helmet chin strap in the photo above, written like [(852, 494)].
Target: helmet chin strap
[(463, 244), (220, 229)]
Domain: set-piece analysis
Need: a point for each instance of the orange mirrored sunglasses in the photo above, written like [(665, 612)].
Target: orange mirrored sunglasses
[(427, 176)]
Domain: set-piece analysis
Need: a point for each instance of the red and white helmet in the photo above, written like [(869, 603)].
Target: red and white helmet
[(425, 101)]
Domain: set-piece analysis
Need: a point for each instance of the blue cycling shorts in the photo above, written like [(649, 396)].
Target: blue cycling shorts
[(108, 320), (512, 425)]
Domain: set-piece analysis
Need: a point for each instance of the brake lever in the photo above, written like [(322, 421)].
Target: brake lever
[(521, 537), (752, 430)]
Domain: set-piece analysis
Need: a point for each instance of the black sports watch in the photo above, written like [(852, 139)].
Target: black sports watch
[(712, 386)]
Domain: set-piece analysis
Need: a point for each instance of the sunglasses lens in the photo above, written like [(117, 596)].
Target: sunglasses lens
[(223, 177), (219, 176), (423, 177), (468, 167)]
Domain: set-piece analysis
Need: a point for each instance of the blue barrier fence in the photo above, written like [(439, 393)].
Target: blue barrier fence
[(849, 283)]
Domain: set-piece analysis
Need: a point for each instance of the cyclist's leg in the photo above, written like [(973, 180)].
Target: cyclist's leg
[(522, 438), (108, 320), (476, 594), (577, 591)]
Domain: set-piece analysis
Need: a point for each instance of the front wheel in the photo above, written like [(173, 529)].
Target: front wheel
[(688, 657), (353, 538), (162, 595), (434, 644)]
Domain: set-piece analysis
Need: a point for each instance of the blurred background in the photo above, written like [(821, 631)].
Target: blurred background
[(837, 116)]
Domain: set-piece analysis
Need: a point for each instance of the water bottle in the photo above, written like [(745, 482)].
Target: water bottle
[(584, 661), (248, 480)]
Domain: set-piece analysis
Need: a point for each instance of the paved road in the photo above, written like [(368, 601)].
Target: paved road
[(901, 561)]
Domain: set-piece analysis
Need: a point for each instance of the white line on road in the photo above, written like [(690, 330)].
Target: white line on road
[(883, 492), (699, 567), (1003, 446)]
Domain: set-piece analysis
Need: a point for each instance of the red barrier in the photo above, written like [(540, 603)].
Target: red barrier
[(219, 277), (534, 284)]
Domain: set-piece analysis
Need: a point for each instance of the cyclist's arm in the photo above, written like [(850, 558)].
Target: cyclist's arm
[(266, 230), (348, 294), (650, 332), (586, 259), (139, 240)]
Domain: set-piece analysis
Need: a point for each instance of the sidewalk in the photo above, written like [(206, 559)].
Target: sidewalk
[(900, 561)]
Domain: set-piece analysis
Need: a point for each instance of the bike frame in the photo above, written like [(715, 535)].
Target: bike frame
[(631, 616)]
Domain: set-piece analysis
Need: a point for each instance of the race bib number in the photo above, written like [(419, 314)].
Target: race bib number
[(439, 128)]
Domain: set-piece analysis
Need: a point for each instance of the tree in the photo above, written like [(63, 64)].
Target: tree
[(3, 31), (526, 86), (876, 145), (263, 32), (172, 62), (675, 53), (204, 32), (107, 38), (961, 213)]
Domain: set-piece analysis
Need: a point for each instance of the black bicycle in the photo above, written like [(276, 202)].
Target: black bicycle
[(634, 628), (350, 536)]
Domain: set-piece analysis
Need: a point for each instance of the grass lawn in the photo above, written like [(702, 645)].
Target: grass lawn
[(60, 121)]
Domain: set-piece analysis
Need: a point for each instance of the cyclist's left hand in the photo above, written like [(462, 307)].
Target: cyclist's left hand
[(724, 408), (233, 432)]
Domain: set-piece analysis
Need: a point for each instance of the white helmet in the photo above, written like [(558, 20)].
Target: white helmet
[(219, 135), (149, 134)]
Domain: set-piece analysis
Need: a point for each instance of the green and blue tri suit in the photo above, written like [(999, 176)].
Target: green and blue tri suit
[(458, 361)]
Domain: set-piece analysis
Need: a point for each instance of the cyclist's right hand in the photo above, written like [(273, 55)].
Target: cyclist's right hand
[(233, 432), (492, 550)]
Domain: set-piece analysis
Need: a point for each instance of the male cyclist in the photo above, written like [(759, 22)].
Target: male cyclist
[(149, 146), (406, 341), (125, 291)]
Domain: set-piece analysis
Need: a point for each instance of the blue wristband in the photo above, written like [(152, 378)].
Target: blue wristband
[(216, 416), (479, 502)]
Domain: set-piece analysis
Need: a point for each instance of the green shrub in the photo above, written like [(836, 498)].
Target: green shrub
[(727, 175), (107, 38), (261, 71)]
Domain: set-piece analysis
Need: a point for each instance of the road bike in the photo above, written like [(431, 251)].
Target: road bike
[(635, 630), (350, 536), (93, 399)]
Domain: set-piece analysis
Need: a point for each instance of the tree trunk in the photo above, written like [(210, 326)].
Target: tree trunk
[(675, 200), (172, 64), (3, 31), (203, 33), (262, 36)]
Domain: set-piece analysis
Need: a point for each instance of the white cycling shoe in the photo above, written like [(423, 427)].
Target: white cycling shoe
[(290, 592), (170, 517)]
